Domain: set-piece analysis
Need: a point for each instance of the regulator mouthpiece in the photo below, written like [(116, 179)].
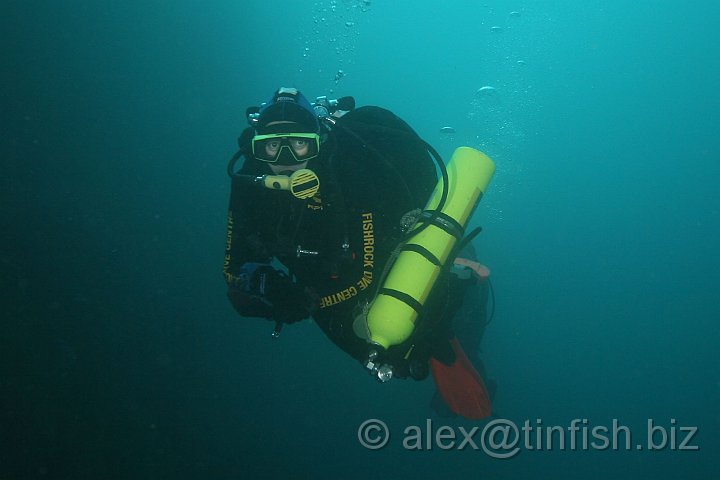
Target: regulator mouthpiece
[(303, 183)]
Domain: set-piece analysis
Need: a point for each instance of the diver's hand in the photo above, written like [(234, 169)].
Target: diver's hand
[(249, 305), (284, 314), (288, 301)]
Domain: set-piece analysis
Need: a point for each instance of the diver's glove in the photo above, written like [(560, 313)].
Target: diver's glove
[(287, 299), (247, 304)]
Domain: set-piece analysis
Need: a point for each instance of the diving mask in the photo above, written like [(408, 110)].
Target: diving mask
[(286, 148)]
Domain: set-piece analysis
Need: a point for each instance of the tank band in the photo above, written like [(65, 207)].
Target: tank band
[(403, 297), (444, 222), (413, 247)]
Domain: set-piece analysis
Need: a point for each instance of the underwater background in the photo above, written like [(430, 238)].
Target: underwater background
[(120, 356)]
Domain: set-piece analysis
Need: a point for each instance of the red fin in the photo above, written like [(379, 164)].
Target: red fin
[(460, 385)]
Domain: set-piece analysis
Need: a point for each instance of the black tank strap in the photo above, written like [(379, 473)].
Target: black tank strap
[(444, 222), (411, 247), (405, 298)]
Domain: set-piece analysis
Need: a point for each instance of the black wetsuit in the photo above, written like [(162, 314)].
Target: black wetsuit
[(373, 168)]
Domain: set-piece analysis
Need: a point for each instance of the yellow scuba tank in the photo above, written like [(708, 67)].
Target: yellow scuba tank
[(393, 313)]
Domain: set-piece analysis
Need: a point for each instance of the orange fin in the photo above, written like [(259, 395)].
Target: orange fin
[(478, 269), (460, 385)]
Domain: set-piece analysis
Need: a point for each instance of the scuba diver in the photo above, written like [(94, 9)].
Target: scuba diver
[(321, 211)]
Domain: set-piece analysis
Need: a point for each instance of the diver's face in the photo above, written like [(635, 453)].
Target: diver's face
[(301, 147)]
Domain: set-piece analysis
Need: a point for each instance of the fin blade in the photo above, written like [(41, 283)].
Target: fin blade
[(461, 386)]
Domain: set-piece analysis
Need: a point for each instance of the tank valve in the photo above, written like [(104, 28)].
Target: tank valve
[(381, 371)]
